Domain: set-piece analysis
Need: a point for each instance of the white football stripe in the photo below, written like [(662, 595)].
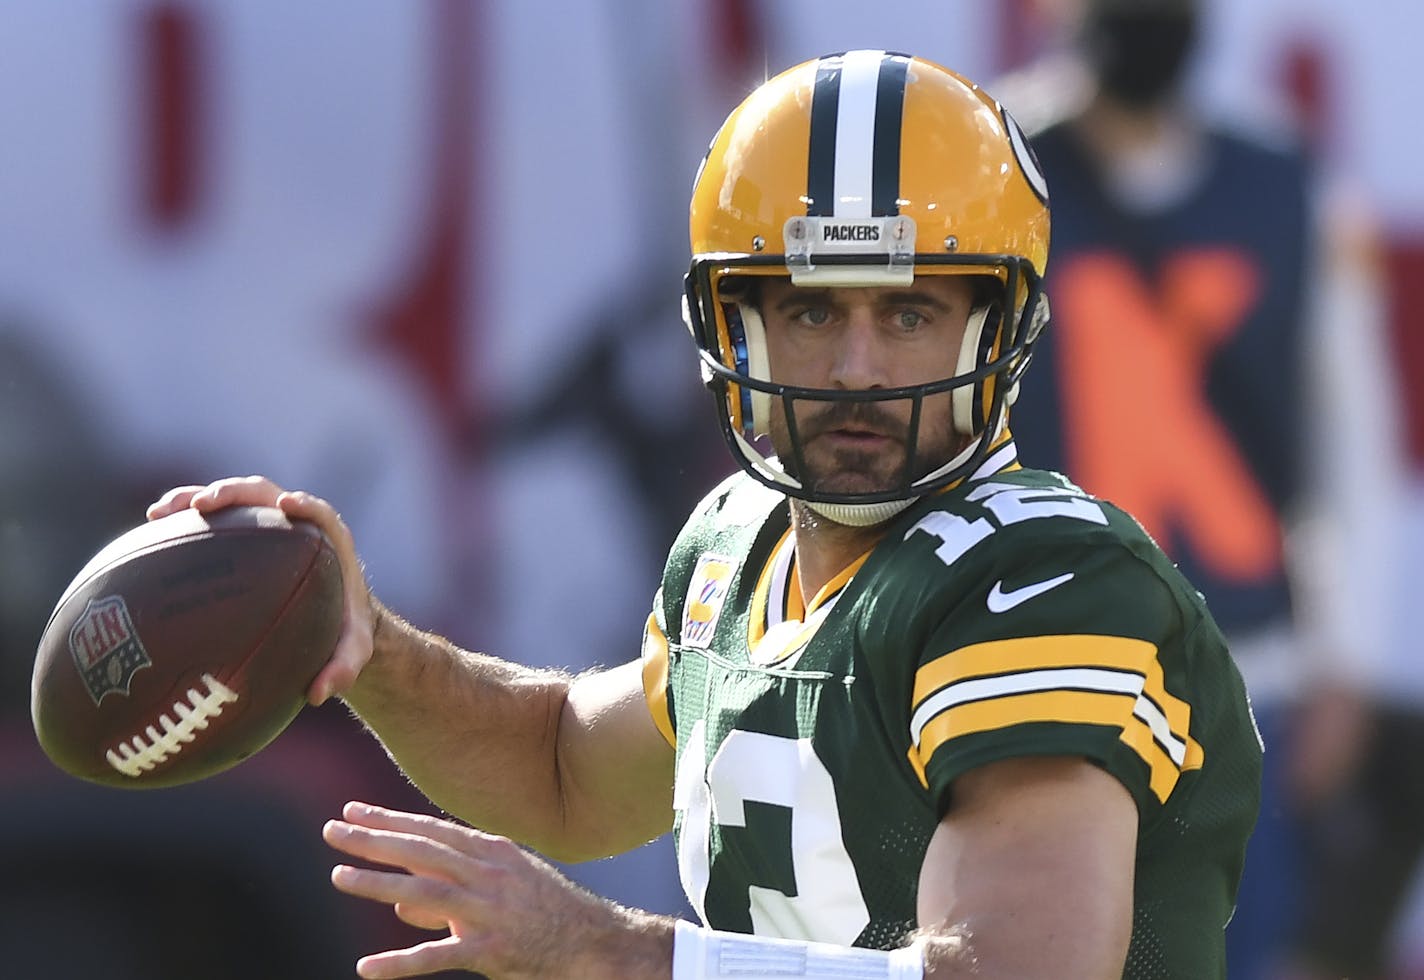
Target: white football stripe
[(855, 133)]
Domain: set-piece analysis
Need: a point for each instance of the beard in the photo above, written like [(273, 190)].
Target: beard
[(831, 463)]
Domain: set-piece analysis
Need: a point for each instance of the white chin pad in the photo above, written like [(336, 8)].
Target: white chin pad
[(962, 398)]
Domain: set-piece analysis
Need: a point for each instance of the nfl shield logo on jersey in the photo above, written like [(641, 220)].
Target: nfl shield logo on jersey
[(106, 647), (705, 595)]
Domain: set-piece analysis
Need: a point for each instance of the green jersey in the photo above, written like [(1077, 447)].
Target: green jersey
[(1013, 615)]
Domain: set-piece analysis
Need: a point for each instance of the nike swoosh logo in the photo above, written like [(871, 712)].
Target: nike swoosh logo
[(1001, 601)]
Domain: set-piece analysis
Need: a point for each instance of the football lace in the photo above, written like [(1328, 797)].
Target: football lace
[(137, 756)]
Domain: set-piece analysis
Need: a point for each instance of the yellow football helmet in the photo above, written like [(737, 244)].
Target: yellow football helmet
[(867, 168)]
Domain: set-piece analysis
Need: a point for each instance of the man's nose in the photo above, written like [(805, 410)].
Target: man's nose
[(859, 362)]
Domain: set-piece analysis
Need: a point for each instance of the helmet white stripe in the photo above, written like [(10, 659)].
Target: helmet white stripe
[(853, 169), (855, 133)]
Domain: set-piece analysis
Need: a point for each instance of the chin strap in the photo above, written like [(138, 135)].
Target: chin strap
[(864, 515), (860, 515)]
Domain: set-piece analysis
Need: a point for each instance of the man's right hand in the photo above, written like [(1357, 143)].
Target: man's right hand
[(354, 645)]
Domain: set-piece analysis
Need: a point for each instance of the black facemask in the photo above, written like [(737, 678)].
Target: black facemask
[(1138, 51)]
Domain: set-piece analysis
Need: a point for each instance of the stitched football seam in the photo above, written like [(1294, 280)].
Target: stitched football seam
[(135, 756)]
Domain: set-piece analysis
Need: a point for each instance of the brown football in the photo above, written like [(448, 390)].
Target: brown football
[(184, 646)]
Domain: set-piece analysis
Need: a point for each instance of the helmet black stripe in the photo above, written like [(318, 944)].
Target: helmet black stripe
[(889, 112), (821, 160)]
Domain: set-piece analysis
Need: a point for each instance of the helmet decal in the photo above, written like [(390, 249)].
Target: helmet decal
[(853, 160), (1028, 161)]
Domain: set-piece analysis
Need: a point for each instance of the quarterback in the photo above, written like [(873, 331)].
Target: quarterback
[(913, 709)]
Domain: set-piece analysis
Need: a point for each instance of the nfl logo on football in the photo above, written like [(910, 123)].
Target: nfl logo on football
[(106, 647)]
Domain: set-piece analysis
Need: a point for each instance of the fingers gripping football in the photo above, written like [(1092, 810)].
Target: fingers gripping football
[(353, 646)]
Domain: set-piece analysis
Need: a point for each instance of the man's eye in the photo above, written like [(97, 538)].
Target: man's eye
[(816, 316), (908, 319)]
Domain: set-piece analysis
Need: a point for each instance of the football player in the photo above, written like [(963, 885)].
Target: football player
[(913, 709)]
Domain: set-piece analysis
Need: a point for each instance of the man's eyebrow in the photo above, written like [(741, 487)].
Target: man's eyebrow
[(912, 297), (800, 297)]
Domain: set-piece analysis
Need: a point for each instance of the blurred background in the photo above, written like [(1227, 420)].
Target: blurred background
[(423, 257)]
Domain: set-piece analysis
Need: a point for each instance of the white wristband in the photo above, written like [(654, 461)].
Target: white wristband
[(705, 954)]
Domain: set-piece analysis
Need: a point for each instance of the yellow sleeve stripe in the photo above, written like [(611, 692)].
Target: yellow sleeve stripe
[(1101, 680), (1070, 707), (655, 677), (1164, 771), (918, 766)]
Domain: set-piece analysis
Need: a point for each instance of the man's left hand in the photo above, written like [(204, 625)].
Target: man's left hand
[(510, 915)]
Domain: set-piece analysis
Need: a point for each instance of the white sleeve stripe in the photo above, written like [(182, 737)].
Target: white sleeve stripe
[(1091, 679), (1024, 682), (1162, 734)]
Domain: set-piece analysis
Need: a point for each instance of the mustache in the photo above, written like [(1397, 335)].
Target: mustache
[(864, 416)]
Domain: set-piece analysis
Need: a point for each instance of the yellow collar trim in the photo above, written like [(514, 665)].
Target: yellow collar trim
[(777, 603)]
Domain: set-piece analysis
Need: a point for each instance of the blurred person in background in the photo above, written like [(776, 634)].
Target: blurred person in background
[(1218, 370)]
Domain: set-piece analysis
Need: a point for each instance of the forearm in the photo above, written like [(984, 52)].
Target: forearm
[(476, 734)]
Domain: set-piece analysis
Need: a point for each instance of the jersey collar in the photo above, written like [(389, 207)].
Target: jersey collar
[(781, 623)]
